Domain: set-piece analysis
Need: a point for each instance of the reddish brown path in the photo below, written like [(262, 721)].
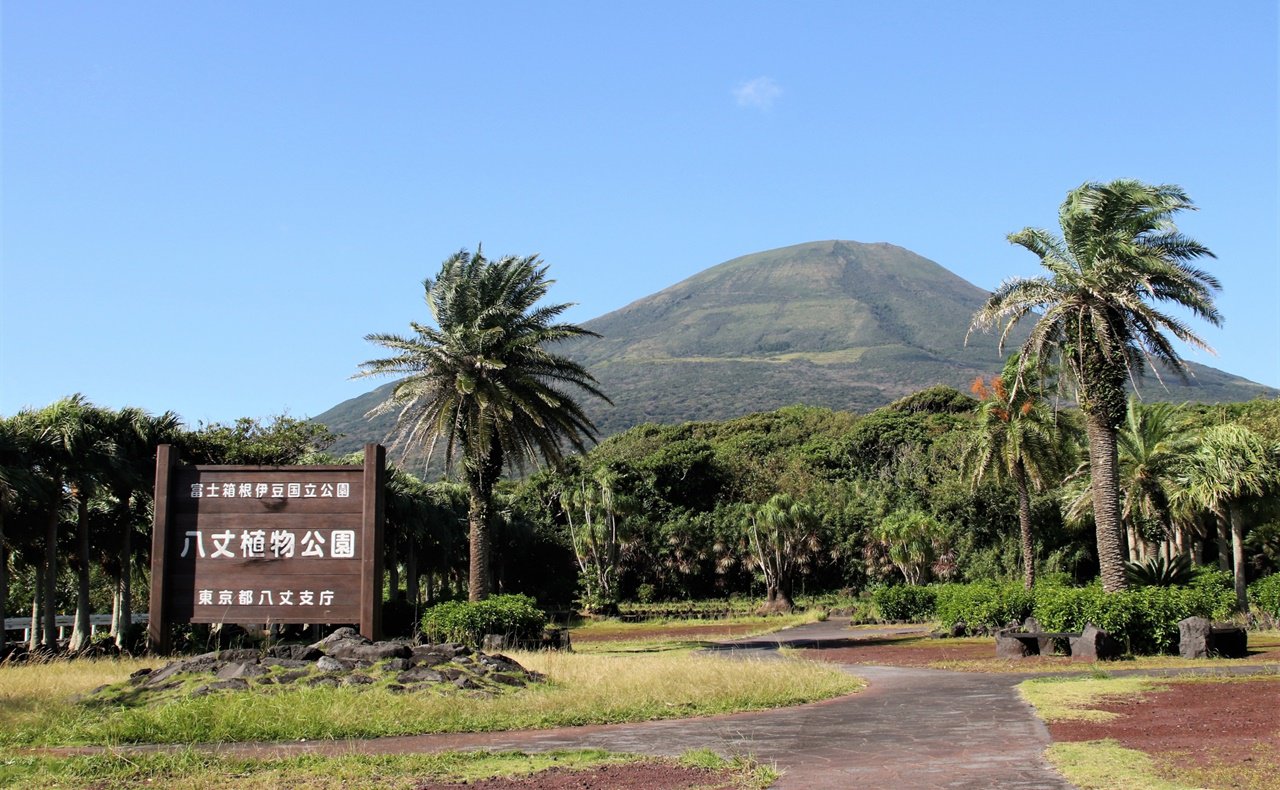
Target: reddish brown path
[(910, 728)]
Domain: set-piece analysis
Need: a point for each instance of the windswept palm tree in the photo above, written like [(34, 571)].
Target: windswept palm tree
[(1119, 257), (482, 383), (1015, 437)]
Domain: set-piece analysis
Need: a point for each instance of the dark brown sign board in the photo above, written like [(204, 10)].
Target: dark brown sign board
[(266, 544)]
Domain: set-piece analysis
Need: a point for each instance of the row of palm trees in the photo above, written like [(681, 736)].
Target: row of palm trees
[(1098, 321), (76, 464)]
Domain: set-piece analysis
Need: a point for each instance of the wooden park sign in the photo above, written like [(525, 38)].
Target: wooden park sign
[(267, 544)]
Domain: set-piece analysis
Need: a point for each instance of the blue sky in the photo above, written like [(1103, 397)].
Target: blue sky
[(206, 206)]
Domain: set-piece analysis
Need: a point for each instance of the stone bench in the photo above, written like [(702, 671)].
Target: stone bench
[(1091, 644), (1200, 638)]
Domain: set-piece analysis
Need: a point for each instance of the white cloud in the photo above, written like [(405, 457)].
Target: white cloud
[(759, 93)]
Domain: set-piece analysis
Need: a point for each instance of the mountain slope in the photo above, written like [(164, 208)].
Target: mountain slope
[(833, 323)]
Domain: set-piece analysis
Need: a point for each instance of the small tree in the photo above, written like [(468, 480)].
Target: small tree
[(1015, 437)]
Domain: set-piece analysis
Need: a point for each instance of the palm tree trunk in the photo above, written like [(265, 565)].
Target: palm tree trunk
[(123, 620), (1224, 544), (51, 569), (480, 484), (1024, 525), (37, 611), (393, 577), (1237, 556), (1105, 472), (4, 584), (478, 522), (411, 578), (80, 633)]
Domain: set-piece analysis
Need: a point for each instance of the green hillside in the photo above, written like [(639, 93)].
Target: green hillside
[(838, 324)]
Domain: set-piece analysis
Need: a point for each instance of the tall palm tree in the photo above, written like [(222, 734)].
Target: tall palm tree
[(1016, 438), (63, 435), (1120, 255), (482, 382), (1231, 466)]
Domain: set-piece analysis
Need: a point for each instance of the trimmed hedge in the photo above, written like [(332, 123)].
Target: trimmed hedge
[(983, 604), (514, 616), (905, 602), (1265, 594), (1146, 617)]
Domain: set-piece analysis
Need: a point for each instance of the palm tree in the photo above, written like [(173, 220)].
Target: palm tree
[(1231, 466), (63, 436), (1015, 437), (135, 435), (782, 536), (482, 383), (1152, 447), (1119, 256)]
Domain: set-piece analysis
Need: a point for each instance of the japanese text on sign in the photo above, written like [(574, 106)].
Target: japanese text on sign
[(263, 598), (276, 544), (270, 490)]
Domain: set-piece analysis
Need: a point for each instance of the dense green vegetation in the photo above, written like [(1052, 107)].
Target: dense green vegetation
[(890, 494)]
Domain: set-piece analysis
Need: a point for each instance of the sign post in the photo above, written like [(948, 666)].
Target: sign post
[(267, 544)]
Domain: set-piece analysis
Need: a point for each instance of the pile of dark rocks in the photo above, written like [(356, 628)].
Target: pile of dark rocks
[(344, 658)]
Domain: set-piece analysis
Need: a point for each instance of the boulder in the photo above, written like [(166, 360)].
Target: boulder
[(331, 664), (420, 675), (376, 651), (240, 669), (340, 635), (295, 652)]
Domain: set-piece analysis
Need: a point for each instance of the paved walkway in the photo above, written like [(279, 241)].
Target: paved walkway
[(910, 728)]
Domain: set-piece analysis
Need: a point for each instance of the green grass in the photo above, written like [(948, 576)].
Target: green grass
[(581, 689), (1071, 699), (1105, 765), (203, 771), (616, 636)]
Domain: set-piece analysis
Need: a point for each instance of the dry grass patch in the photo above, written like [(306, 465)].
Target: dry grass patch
[(580, 689)]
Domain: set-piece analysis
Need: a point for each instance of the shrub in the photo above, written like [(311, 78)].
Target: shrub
[(983, 603), (1146, 618), (905, 602), (515, 616), (1207, 577), (1265, 594)]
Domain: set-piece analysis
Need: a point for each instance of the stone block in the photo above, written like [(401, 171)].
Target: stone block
[(1012, 647), (1094, 644), (1193, 637)]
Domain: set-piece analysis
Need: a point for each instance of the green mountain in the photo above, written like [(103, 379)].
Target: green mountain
[(832, 323)]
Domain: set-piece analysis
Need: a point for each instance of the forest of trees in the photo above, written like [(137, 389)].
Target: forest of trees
[(768, 505)]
